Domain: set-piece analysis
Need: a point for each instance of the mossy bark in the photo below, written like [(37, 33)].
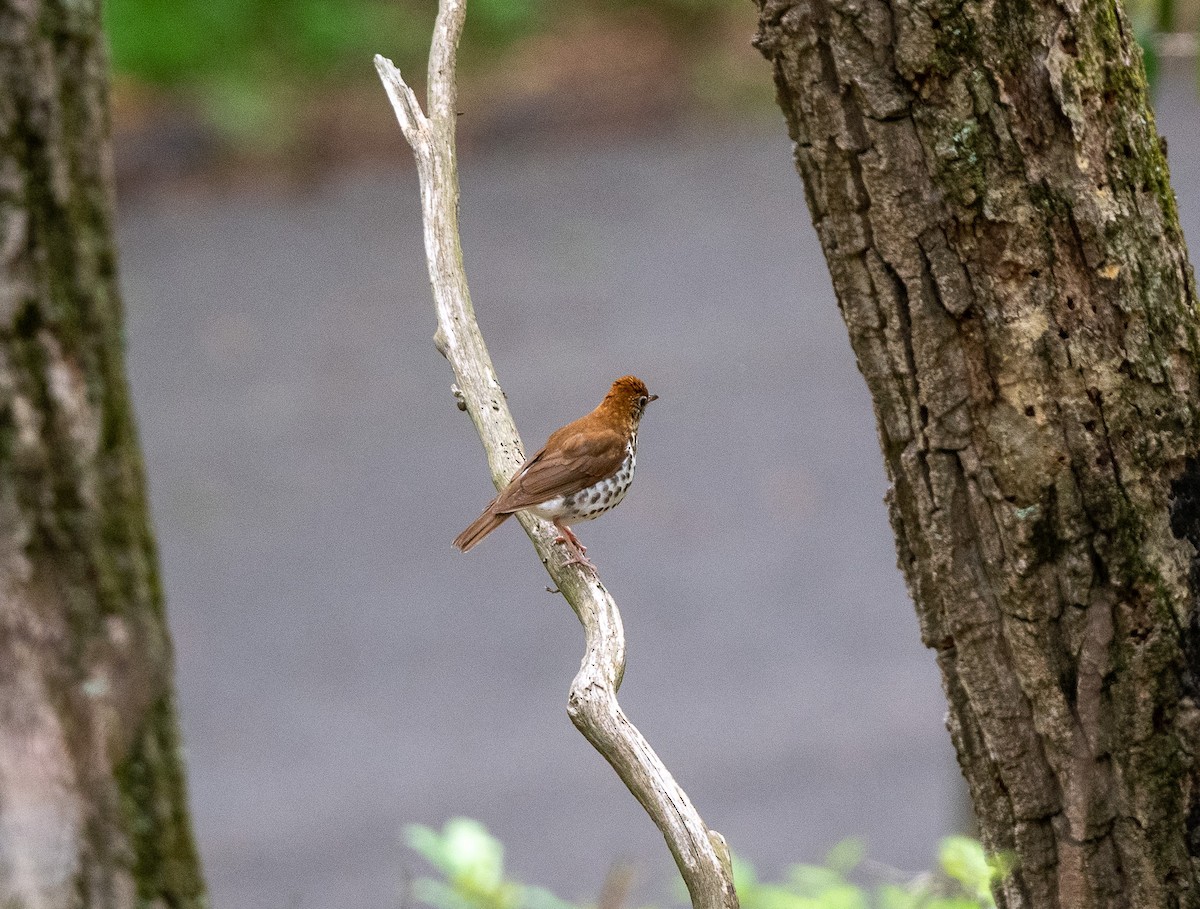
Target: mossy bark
[(93, 809), (994, 207)]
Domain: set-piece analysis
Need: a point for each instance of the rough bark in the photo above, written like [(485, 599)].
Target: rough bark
[(92, 803), (994, 207)]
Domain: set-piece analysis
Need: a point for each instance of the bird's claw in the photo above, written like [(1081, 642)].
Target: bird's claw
[(578, 552), (572, 544), (582, 561)]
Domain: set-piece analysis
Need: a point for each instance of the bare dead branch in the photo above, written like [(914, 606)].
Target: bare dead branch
[(701, 854)]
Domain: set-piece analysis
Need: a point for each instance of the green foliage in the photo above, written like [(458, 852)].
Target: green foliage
[(185, 42), (1148, 17), (498, 22), (964, 860), (241, 58), (965, 882), (470, 862), (172, 43), (250, 62), (167, 42)]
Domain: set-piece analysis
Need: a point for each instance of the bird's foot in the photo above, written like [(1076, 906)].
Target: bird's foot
[(572, 543), (577, 549), (567, 535), (578, 558)]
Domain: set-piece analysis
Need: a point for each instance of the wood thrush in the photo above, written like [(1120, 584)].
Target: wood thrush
[(582, 471)]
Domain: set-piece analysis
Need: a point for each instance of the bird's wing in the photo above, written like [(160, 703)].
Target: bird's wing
[(571, 461)]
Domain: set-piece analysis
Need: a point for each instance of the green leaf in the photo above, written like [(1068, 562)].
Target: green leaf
[(847, 896), (472, 852), (769, 896), (963, 859), (428, 844), (892, 896), (847, 855), (813, 880), (471, 860), (744, 876), (440, 895)]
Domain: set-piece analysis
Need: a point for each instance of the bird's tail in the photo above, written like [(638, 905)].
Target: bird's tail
[(482, 526)]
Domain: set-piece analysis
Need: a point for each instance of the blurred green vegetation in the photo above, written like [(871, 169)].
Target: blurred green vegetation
[(470, 875), (171, 43), (168, 43), (251, 65), (241, 58), (1149, 17)]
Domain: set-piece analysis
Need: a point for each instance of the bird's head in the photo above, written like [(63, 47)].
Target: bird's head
[(629, 396)]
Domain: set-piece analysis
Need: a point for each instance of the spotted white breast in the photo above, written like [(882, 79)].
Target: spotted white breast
[(592, 501)]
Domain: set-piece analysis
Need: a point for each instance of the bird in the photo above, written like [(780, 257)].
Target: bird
[(584, 469)]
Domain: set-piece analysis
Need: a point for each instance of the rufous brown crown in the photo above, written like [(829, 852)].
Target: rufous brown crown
[(629, 397)]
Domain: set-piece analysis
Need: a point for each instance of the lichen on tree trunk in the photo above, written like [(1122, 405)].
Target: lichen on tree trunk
[(93, 810), (993, 202)]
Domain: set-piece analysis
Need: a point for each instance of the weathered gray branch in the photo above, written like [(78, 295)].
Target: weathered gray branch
[(700, 853)]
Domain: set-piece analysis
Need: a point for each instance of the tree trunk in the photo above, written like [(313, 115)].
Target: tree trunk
[(994, 207), (92, 801)]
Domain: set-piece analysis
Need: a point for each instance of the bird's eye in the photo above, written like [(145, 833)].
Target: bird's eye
[(642, 401)]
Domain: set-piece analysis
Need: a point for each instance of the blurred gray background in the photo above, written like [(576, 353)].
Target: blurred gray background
[(343, 671)]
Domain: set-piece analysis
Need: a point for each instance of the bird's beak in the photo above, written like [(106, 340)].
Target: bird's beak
[(650, 398)]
